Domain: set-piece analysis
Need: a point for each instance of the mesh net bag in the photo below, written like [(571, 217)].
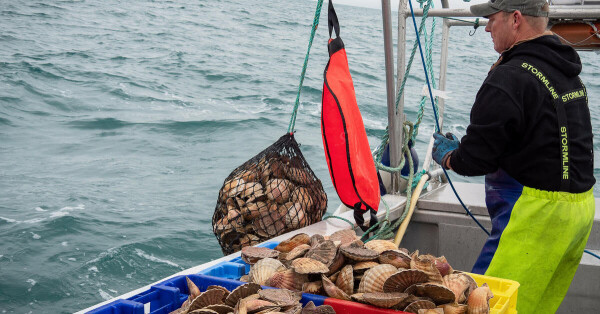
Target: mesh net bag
[(272, 193)]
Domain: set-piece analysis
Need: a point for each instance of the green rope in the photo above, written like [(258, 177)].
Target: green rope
[(312, 36), (385, 138), (340, 218)]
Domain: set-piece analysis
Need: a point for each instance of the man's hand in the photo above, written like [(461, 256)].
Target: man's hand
[(442, 146)]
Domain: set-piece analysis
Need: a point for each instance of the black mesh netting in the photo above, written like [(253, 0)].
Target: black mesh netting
[(272, 193)]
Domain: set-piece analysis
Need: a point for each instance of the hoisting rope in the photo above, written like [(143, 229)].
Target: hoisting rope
[(312, 36)]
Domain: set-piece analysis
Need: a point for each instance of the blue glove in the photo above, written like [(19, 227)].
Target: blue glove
[(442, 146)]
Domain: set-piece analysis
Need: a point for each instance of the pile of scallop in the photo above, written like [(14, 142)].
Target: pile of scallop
[(376, 273), (249, 298), (266, 198)]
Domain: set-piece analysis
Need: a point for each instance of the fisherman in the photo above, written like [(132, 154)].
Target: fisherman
[(530, 134)]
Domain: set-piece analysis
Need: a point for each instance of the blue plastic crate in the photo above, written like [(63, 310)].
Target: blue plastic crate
[(170, 294), (120, 307), (228, 270), (164, 297)]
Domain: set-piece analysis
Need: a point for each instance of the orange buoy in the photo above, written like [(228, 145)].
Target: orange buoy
[(579, 35)]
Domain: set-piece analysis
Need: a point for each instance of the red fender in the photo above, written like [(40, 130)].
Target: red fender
[(347, 150)]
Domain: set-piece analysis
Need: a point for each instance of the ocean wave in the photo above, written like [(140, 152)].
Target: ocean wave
[(100, 124), (209, 126), (155, 259), (5, 121)]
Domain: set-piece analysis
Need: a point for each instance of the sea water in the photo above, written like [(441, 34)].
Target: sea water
[(119, 121)]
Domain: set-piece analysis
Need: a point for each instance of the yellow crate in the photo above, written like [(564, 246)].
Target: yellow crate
[(505, 293)]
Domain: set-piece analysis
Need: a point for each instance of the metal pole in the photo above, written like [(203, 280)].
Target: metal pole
[(442, 81), (395, 124), (443, 63), (555, 13)]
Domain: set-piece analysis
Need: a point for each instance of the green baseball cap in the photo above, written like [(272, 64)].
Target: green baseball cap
[(526, 7)]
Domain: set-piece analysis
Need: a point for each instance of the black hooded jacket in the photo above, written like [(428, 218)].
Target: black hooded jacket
[(514, 124)]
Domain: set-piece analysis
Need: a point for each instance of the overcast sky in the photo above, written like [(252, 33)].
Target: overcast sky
[(377, 3)]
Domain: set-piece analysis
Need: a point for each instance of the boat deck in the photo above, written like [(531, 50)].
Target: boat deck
[(439, 226)]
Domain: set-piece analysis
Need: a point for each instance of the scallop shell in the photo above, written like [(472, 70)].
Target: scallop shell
[(403, 279), (332, 290), (453, 308), (345, 280), (358, 297), (310, 308), (321, 201), (258, 305), (461, 284), (299, 175), (337, 263), (192, 288), (219, 288), (478, 301), (431, 311), (278, 190), (236, 220), (355, 252), (397, 258), (252, 254), (375, 277), (251, 189), (361, 267), (208, 297), (249, 240), (249, 175), (240, 307), (240, 202), (309, 266), (438, 293), (263, 270), (297, 252), (230, 204), (270, 223), (384, 300), (316, 239), (241, 292), (220, 308), (295, 216), (380, 246), (302, 195), (282, 297), (222, 226), (287, 279), (313, 287), (296, 309), (414, 307), (427, 265), (289, 244), (202, 311), (233, 187), (324, 252), (344, 236), (251, 210), (443, 266)]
